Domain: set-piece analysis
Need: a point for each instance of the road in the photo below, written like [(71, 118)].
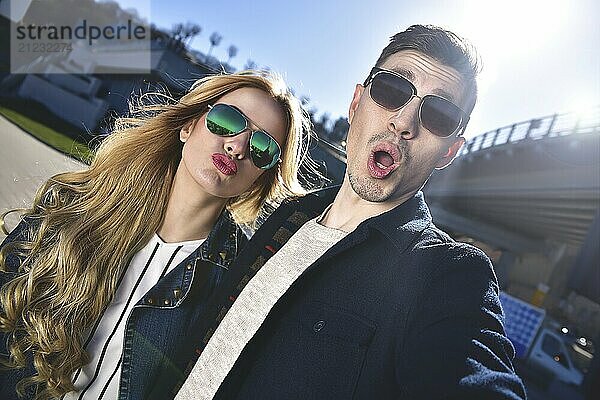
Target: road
[(25, 163)]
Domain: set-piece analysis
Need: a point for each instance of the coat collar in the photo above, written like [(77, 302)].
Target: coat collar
[(399, 225), (402, 223)]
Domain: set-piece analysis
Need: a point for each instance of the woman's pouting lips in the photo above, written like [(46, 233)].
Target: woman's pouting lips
[(224, 164)]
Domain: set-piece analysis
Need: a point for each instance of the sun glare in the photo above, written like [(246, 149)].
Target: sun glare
[(587, 112), (514, 24), (511, 29), (582, 102)]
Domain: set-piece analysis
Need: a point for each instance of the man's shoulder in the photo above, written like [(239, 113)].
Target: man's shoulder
[(443, 254), (435, 239), (311, 203), (294, 211), (326, 194), (432, 236)]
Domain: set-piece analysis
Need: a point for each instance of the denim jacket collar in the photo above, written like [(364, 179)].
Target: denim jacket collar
[(220, 247)]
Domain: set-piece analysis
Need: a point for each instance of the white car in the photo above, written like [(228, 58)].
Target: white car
[(550, 353)]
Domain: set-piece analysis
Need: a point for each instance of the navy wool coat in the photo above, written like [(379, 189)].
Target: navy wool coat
[(395, 310)]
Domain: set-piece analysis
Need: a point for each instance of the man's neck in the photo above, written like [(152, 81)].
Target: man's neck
[(348, 209)]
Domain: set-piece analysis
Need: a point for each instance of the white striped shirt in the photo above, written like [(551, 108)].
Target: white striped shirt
[(100, 378)]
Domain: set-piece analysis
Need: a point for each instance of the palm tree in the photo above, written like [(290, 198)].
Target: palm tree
[(177, 31), (250, 64), (215, 39), (324, 119), (231, 52), (190, 30), (340, 129)]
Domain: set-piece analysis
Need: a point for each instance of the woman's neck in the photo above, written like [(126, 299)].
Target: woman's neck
[(189, 216)]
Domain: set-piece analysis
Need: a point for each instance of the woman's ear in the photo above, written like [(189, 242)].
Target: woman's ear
[(186, 130)]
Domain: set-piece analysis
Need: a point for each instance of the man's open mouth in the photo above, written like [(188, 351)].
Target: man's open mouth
[(383, 160)]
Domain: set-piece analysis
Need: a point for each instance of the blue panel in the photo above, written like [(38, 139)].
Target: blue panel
[(521, 321)]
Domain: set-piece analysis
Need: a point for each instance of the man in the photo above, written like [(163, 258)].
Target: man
[(369, 300)]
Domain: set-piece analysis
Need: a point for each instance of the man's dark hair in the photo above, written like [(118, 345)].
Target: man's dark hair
[(441, 45)]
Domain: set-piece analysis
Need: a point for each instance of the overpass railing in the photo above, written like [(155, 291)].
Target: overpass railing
[(537, 128)]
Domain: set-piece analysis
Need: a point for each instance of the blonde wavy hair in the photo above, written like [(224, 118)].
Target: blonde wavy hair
[(88, 225)]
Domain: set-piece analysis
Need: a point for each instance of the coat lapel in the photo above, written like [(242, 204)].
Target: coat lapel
[(353, 239)]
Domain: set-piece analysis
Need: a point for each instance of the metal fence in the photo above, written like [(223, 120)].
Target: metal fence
[(584, 122)]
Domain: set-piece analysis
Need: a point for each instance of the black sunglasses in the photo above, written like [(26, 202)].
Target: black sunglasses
[(438, 115), (225, 120)]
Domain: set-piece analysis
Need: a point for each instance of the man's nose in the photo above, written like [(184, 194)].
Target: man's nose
[(237, 146), (405, 121)]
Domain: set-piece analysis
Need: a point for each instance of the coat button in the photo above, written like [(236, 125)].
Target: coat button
[(167, 302), (188, 267), (150, 300), (177, 293), (318, 326)]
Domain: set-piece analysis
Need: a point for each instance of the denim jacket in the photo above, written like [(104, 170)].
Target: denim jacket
[(154, 342)]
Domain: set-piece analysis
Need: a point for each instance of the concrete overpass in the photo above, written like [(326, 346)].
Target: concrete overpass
[(519, 186)]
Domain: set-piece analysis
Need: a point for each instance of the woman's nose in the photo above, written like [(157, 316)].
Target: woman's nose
[(237, 146)]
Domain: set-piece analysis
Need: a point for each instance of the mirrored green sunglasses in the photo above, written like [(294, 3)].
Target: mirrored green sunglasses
[(226, 120)]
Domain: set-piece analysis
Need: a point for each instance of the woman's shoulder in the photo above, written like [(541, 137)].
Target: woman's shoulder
[(23, 232)]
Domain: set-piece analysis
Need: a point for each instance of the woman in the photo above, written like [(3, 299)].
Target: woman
[(113, 264)]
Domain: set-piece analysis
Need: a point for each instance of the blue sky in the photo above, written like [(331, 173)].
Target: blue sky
[(539, 56)]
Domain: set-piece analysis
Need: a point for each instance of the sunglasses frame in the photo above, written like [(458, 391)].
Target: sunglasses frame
[(464, 118), (246, 128)]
